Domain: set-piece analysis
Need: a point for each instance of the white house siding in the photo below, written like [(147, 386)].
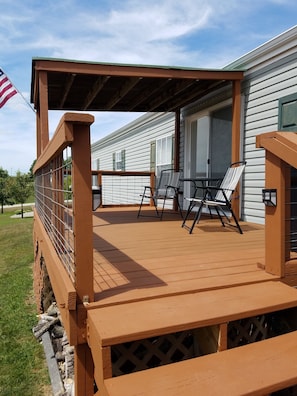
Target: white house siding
[(262, 90), (135, 138)]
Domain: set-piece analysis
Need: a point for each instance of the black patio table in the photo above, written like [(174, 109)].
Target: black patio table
[(201, 182)]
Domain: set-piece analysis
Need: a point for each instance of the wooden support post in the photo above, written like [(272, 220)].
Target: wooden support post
[(83, 246), (275, 216), (82, 211), (84, 371), (177, 150), (42, 114), (235, 153), (177, 141)]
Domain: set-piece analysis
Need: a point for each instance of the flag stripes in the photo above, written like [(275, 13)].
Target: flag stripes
[(7, 90)]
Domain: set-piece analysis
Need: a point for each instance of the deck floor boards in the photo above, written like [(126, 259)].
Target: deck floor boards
[(138, 259)]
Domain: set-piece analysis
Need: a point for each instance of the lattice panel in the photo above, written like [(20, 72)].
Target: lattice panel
[(144, 354), (246, 331)]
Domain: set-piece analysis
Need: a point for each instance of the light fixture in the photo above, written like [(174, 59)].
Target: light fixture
[(269, 196)]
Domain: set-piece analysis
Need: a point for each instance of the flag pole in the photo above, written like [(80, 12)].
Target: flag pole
[(28, 103)]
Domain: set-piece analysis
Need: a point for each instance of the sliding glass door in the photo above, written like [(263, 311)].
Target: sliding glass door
[(208, 146)]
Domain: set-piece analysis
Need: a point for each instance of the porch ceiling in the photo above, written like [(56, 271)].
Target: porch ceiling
[(86, 86)]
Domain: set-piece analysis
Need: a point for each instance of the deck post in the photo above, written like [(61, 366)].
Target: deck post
[(83, 247), (275, 216), (84, 371), (42, 114), (176, 150), (235, 152), (82, 211)]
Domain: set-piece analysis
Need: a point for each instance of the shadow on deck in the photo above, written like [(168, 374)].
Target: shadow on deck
[(143, 258)]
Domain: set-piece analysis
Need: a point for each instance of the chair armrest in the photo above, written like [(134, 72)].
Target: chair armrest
[(145, 191), (210, 189)]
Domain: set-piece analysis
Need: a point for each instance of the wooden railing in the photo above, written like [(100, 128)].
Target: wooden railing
[(280, 160), (64, 206)]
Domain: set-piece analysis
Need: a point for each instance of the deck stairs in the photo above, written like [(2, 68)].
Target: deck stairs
[(239, 340)]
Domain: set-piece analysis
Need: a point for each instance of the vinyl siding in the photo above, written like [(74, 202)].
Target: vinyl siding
[(262, 91), (135, 139)]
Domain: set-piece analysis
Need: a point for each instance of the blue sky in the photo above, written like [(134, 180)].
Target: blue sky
[(194, 33)]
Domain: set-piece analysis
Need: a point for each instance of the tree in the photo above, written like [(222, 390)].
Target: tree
[(5, 188), (22, 188), (31, 170)]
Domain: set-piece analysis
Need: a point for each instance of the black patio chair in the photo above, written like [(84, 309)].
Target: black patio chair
[(218, 198), (167, 189)]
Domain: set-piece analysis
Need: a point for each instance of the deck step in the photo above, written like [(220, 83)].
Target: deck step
[(255, 369), (140, 320)]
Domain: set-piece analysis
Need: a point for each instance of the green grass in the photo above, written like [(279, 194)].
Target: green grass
[(22, 363)]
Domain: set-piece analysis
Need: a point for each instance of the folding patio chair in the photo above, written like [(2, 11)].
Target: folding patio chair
[(167, 189), (218, 198)]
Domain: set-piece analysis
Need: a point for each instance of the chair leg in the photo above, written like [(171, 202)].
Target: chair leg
[(140, 206), (144, 195), (236, 221), (197, 217), (219, 215), (190, 208), (156, 206), (178, 205), (180, 209), (163, 207)]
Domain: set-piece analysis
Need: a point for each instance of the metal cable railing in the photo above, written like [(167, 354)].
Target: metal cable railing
[(53, 201), (291, 214)]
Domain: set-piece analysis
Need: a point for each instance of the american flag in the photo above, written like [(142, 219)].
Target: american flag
[(7, 90)]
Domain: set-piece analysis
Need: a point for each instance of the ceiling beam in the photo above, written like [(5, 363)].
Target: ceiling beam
[(99, 84), (68, 85), (149, 92), (195, 95), (122, 92), (172, 92)]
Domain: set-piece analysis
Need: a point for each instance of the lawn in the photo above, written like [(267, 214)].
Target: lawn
[(22, 364)]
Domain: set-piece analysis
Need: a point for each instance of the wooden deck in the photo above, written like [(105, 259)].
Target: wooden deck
[(156, 285), (136, 259)]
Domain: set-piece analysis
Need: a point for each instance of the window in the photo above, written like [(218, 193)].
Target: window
[(118, 159), (162, 154), (164, 151), (287, 119)]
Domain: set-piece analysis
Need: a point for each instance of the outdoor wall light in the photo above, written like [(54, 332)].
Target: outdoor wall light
[(269, 196)]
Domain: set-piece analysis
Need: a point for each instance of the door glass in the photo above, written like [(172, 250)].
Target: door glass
[(210, 145), (202, 147), (199, 150), (220, 142)]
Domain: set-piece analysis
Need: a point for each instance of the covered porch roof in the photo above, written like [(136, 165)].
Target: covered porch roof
[(59, 84), (90, 86)]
